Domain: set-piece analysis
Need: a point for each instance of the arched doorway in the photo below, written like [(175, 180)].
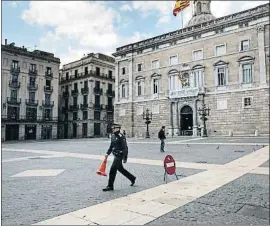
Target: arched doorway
[(186, 121)]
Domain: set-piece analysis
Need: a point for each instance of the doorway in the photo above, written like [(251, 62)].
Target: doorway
[(97, 129), (84, 129), (65, 131), (30, 132), (186, 121), (12, 132), (74, 130)]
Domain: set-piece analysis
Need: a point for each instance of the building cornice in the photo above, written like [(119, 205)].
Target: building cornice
[(197, 30), (41, 55)]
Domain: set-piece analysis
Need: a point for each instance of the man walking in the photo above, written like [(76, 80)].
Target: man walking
[(119, 149), (162, 137)]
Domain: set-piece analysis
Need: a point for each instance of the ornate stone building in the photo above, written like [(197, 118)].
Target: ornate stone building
[(223, 62), (86, 96), (29, 94)]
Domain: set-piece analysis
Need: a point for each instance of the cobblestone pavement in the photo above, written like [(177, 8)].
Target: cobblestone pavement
[(244, 201), (27, 200)]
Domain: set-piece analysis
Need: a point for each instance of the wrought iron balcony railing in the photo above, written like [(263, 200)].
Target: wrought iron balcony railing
[(14, 101), (31, 102), (15, 70), (98, 90), (47, 103), (33, 72), (74, 92), (14, 84), (32, 86), (84, 90), (48, 89), (84, 106)]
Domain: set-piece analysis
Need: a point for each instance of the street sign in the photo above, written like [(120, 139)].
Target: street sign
[(169, 166)]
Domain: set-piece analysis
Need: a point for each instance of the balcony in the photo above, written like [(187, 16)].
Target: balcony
[(33, 72), (74, 92), (48, 89), (32, 86), (10, 118), (14, 84), (47, 119), (84, 90), (97, 107), (47, 104), (110, 93), (15, 70), (84, 106), (31, 102), (66, 94), (98, 90), (48, 75), (74, 107), (186, 92), (14, 101), (65, 109)]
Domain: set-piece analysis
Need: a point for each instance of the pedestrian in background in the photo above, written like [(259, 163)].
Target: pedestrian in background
[(119, 149), (162, 137)]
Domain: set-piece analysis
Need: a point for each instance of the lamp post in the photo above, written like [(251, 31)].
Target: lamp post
[(147, 117), (203, 112)]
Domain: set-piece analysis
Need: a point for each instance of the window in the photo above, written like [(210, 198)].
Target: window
[(13, 94), (98, 71), (31, 113), (173, 60), (33, 67), (139, 67), (47, 98), (75, 115), (221, 74), (15, 78), (66, 88), (110, 74), (220, 50), (197, 55), (76, 73), (244, 46), (110, 103), (85, 99), (66, 116), (139, 87), (66, 75), (48, 83), (109, 87), (32, 96), (97, 100), (32, 81), (48, 70), (75, 101), (123, 90), (96, 115), (85, 115), (155, 86), (123, 70), (86, 70), (15, 64), (47, 113), (97, 84), (85, 84), (247, 101), (247, 73), (75, 86), (155, 64)]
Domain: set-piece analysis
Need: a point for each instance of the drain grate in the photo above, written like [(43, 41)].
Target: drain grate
[(239, 151), (201, 162)]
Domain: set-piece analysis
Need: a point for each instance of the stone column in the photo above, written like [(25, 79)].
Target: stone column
[(116, 85), (177, 119), (171, 132), (21, 132), (195, 119), (130, 80), (38, 135), (260, 30), (54, 131)]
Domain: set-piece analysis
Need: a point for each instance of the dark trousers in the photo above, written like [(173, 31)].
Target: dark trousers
[(162, 144), (118, 165)]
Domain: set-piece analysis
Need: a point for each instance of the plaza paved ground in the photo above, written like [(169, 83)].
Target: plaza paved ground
[(221, 180)]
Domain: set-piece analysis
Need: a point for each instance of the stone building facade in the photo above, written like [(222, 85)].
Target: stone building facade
[(29, 94), (86, 95), (221, 61)]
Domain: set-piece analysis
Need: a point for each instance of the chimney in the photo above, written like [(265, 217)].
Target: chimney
[(5, 41)]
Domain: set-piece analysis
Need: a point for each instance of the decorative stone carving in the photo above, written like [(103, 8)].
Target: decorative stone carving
[(260, 28)]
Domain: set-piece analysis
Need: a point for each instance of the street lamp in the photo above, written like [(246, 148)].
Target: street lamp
[(203, 112), (148, 117)]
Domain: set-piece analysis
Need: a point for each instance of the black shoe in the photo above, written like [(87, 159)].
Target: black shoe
[(107, 189), (133, 181)]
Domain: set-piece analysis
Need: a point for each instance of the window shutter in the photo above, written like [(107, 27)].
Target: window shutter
[(191, 76), (216, 76), (136, 88), (240, 73), (142, 88)]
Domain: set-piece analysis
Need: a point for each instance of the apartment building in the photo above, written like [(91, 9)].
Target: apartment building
[(221, 62), (86, 97), (29, 94)]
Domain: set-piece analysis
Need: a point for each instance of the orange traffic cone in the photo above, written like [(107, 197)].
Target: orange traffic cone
[(102, 168)]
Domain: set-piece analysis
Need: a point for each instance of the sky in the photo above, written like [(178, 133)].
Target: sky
[(70, 29)]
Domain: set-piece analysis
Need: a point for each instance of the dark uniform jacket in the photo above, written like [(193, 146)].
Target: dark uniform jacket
[(118, 146), (161, 134)]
